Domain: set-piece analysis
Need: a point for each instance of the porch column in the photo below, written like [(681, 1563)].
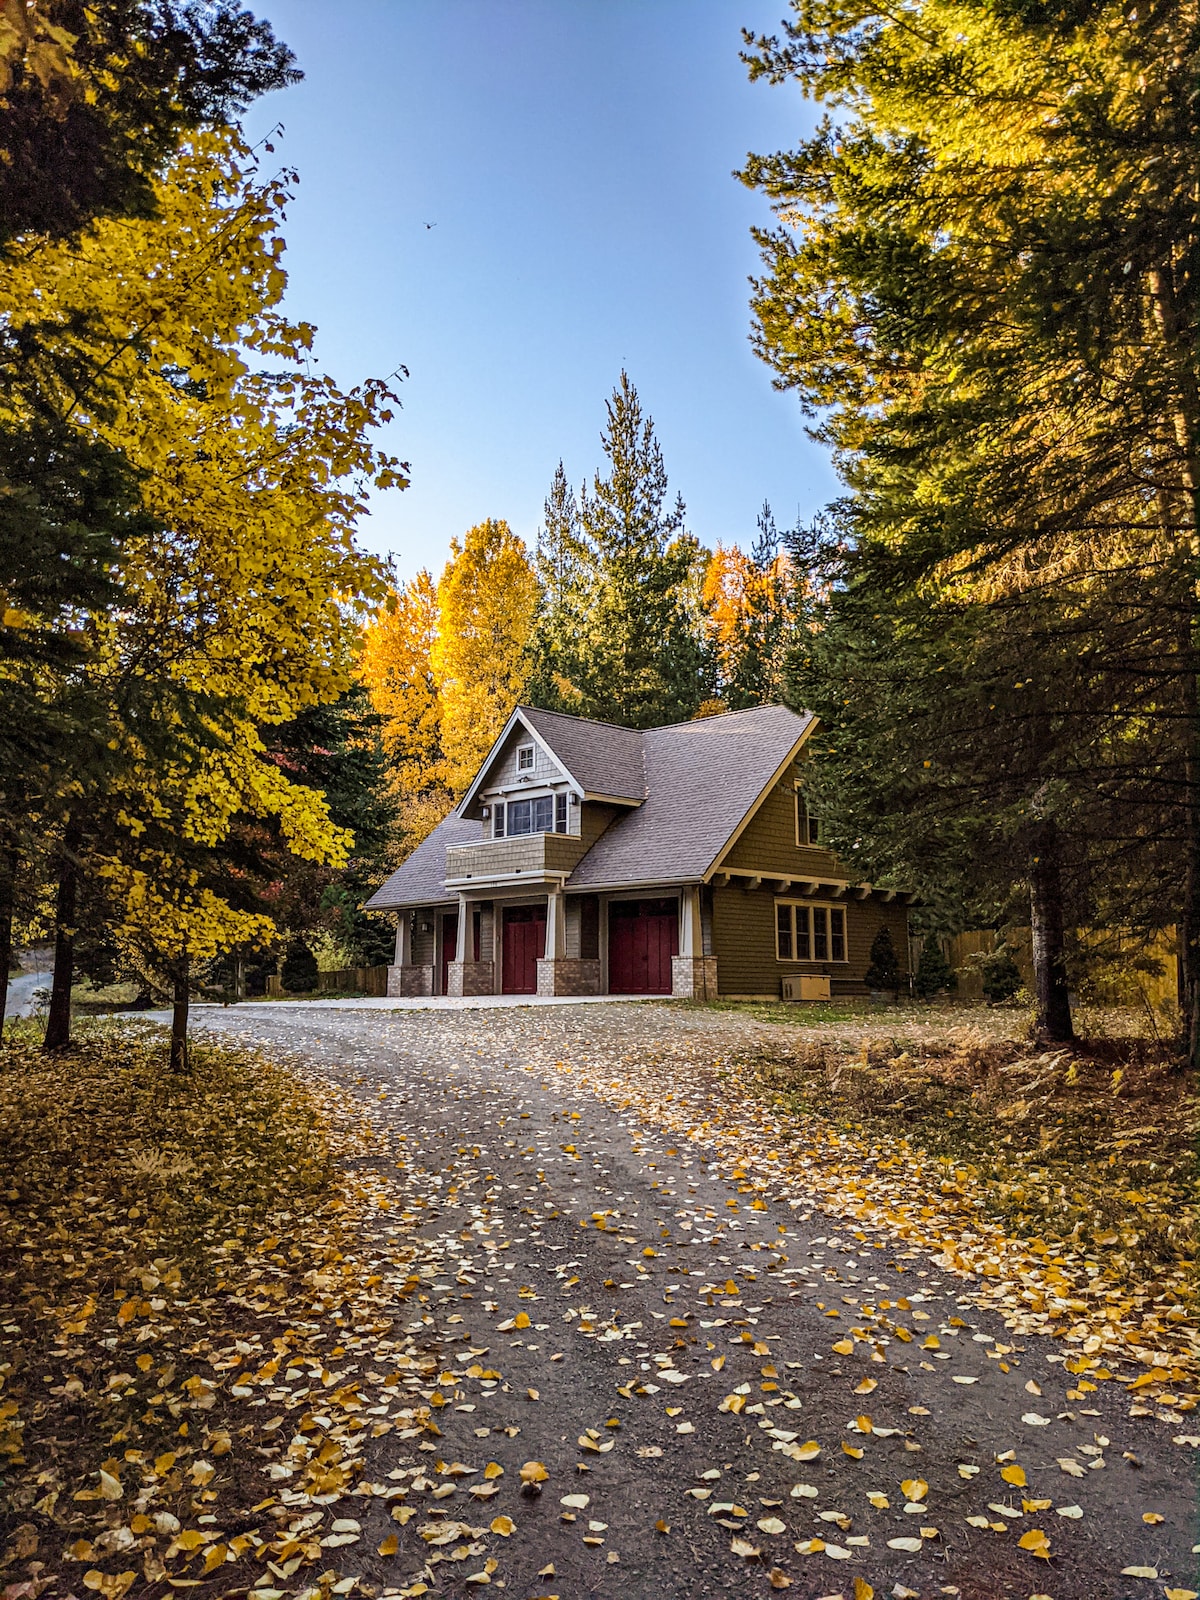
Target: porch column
[(691, 941), (556, 925), (404, 979), (693, 974), (464, 910)]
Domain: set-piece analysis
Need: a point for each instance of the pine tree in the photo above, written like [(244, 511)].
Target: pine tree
[(982, 280), (641, 660), (563, 566)]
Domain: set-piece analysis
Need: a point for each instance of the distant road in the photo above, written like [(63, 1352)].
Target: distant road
[(21, 988)]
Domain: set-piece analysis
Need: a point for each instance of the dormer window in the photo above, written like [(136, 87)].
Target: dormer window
[(531, 816), (524, 758)]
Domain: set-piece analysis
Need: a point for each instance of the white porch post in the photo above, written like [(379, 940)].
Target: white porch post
[(691, 941), (464, 909), (556, 925), (404, 940)]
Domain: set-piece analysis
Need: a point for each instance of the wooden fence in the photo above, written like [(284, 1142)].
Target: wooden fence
[(356, 980), (1122, 972), (364, 980)]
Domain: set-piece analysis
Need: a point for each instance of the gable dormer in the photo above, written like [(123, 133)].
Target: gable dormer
[(522, 788)]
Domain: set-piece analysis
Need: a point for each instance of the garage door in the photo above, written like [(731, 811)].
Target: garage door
[(643, 935), (524, 945)]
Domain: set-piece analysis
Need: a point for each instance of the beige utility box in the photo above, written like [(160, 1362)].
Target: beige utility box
[(808, 986)]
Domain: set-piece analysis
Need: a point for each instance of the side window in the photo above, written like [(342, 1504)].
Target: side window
[(498, 820), (806, 932), (560, 813), (808, 827), (525, 758)]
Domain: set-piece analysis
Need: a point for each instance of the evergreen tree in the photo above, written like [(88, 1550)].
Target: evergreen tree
[(640, 657), (934, 973), (563, 565), (883, 970), (984, 281)]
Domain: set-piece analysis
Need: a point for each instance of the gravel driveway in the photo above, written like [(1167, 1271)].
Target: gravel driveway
[(663, 1334)]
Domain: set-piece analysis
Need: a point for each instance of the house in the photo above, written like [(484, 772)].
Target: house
[(589, 859)]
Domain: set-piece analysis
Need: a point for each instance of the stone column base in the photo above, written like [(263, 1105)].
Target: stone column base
[(470, 977), (694, 977), (567, 976), (409, 983)]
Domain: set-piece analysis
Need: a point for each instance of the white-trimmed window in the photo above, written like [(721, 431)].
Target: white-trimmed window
[(807, 932), (524, 758), (808, 827)]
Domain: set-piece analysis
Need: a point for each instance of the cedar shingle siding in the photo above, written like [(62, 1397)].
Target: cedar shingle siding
[(744, 942)]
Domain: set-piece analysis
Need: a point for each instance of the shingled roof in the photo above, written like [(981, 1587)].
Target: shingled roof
[(602, 758), (696, 783), (421, 880), (702, 778)]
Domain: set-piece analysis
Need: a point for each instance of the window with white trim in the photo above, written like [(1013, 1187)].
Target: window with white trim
[(524, 758), (808, 827), (807, 932), (531, 816)]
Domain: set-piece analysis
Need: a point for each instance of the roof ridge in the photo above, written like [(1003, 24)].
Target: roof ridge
[(720, 716), (569, 716)]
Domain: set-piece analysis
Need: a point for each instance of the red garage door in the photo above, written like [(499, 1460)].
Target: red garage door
[(643, 935), (449, 947), (524, 945)]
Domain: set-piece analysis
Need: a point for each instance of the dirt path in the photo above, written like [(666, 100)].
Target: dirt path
[(692, 1337)]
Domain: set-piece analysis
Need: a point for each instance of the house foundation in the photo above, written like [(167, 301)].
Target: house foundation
[(694, 977), (568, 976)]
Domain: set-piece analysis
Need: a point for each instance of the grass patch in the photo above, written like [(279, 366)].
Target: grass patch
[(1094, 1149)]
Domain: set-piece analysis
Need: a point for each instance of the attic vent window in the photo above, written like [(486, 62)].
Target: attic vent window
[(525, 758)]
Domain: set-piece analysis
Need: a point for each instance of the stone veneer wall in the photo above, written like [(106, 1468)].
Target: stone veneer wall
[(409, 983), (567, 977), (694, 977), (470, 978)]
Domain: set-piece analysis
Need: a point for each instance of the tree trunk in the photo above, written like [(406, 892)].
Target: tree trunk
[(58, 1022), (179, 1018), (1053, 1021), (8, 883)]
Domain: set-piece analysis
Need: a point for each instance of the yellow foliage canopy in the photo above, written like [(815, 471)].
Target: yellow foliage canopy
[(247, 591), (486, 604)]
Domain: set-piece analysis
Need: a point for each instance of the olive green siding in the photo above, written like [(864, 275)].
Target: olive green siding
[(744, 942), (768, 842)]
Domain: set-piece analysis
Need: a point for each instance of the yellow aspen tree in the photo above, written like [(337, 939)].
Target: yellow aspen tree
[(487, 601), (397, 669)]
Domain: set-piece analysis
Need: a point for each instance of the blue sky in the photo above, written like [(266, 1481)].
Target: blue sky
[(574, 160)]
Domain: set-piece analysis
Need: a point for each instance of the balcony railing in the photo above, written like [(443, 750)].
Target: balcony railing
[(538, 857)]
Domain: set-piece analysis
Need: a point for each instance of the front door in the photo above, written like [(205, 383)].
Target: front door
[(448, 951), (524, 946), (643, 935)]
